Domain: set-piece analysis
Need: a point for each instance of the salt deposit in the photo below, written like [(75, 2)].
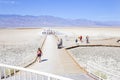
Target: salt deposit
[(19, 46)]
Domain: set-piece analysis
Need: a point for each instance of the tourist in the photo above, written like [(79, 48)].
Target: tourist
[(87, 39), (60, 43), (76, 41), (39, 53), (80, 38)]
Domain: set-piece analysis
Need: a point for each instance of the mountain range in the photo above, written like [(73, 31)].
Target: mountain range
[(49, 21)]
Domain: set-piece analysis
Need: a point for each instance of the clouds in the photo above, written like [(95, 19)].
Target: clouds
[(7, 1)]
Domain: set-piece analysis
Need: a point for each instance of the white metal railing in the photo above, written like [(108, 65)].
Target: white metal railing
[(102, 72), (8, 72)]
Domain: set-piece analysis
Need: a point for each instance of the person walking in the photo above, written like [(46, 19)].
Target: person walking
[(87, 39), (80, 38), (39, 53)]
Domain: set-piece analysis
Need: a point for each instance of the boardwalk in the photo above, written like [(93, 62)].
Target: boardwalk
[(57, 61)]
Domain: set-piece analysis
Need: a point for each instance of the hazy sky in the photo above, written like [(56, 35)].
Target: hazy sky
[(100, 10)]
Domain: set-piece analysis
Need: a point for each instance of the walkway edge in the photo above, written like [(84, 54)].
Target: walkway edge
[(36, 56), (76, 62), (84, 70)]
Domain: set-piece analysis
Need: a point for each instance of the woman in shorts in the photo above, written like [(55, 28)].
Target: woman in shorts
[(39, 53)]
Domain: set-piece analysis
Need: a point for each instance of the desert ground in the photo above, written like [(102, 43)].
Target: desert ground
[(19, 46)]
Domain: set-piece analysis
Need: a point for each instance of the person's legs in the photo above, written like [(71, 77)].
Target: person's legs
[(87, 41), (38, 58)]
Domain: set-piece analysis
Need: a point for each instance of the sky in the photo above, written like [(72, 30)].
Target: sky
[(96, 10)]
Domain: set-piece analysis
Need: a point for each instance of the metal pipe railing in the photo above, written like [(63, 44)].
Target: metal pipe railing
[(26, 74)]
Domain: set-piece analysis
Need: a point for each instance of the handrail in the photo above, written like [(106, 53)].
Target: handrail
[(49, 75), (91, 45)]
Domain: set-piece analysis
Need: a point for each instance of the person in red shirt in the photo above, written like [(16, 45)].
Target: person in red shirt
[(80, 38)]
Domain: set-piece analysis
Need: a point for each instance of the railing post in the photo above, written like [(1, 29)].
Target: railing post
[(48, 77), (24, 75), (14, 74), (4, 74), (30, 76), (0, 73), (9, 73), (19, 75), (42, 78), (36, 76)]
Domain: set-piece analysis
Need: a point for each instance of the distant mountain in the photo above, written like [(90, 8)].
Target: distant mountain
[(48, 21)]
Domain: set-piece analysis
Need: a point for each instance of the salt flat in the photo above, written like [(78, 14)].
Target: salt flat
[(99, 32), (19, 46)]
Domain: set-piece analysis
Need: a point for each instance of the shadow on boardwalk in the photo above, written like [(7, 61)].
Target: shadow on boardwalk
[(43, 60)]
